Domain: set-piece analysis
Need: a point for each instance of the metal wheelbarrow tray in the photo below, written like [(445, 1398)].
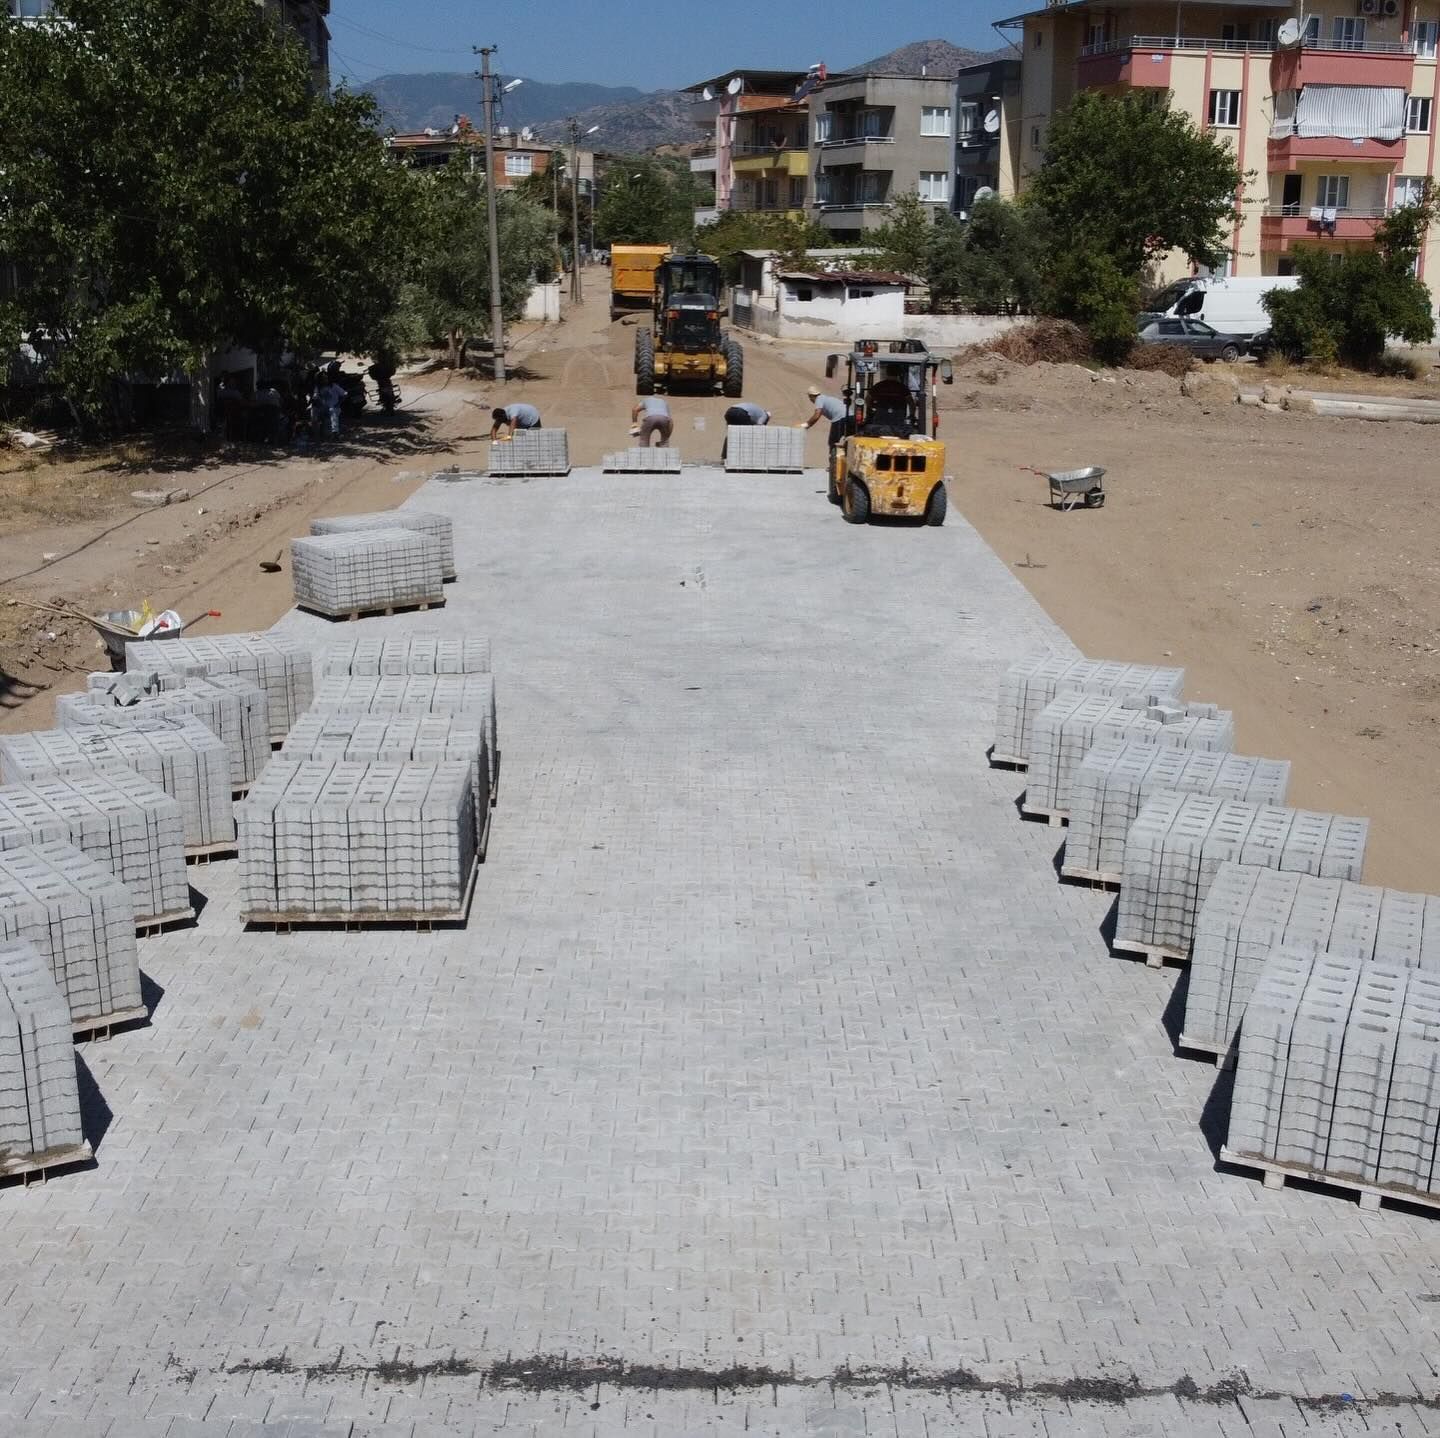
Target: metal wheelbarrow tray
[(1070, 488)]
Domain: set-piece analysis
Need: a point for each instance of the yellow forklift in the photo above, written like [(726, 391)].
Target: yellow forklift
[(885, 458)]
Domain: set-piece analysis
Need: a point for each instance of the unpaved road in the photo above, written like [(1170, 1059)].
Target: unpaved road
[(1290, 563)]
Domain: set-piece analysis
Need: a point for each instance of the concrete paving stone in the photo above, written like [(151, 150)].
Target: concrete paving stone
[(740, 981), (341, 574), (437, 526)]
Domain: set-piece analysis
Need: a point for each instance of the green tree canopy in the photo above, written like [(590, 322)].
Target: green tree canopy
[(994, 263), (903, 241), (1347, 308), (1129, 179), (644, 202), (169, 182), (792, 237)]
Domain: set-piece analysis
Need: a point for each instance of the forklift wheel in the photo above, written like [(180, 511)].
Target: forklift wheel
[(857, 503)]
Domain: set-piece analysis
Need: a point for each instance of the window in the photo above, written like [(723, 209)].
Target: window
[(1409, 189), (519, 165), (860, 294), (1170, 328), (1311, 31), (1333, 192), (872, 124), (1094, 35), (1267, 31), (30, 9), (1417, 115), (822, 127), (1225, 108), (1035, 137), (797, 193), (1236, 34), (873, 184), (935, 186), (1348, 33), (1039, 39), (1424, 35), (969, 122), (1284, 265), (804, 294), (935, 120)]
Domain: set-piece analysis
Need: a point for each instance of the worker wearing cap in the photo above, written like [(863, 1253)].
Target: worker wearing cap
[(827, 407)]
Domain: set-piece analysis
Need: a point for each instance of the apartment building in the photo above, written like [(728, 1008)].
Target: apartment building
[(1333, 106), (759, 155), (987, 130), (874, 138)]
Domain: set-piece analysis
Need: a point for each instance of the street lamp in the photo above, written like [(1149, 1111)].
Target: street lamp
[(497, 310), (576, 296)]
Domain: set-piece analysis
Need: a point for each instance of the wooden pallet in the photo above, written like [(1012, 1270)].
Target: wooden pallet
[(353, 921), (157, 923), (1223, 1054), (386, 611), (1091, 876), (207, 853), (1155, 955), (41, 1165), (1371, 1195), (103, 1025), (239, 791), (1053, 817), (1007, 761)]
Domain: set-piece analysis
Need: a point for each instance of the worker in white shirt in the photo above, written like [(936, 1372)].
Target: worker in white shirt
[(827, 407)]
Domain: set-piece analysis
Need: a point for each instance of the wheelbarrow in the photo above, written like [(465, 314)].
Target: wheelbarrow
[(119, 627), (1072, 488)]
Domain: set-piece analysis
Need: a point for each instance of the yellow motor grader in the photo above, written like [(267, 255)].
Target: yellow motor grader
[(885, 459)]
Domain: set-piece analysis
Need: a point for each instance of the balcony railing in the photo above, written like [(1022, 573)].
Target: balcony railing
[(1240, 47), (857, 140), (1339, 212), (852, 204), (775, 149)]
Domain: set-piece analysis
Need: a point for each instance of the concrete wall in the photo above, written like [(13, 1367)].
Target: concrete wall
[(544, 303), (836, 323)]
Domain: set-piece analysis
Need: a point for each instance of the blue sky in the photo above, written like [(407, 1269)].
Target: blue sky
[(650, 44)]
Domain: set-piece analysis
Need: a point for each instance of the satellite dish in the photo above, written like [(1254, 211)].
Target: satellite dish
[(983, 193), (992, 122), (707, 93), (735, 86), (1288, 35)]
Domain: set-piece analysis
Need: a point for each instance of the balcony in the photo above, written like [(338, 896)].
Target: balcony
[(1175, 42), (1289, 152), (702, 160), (1282, 225), (1365, 62)]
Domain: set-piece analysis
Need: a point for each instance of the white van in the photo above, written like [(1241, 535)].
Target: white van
[(1233, 305)]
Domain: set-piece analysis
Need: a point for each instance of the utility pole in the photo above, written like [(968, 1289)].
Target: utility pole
[(497, 314), (576, 297)]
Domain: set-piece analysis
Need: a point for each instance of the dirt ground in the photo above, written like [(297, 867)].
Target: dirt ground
[(1289, 562)]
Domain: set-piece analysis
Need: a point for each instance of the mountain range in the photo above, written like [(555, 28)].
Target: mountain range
[(629, 120)]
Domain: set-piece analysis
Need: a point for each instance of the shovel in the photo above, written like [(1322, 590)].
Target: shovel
[(272, 566)]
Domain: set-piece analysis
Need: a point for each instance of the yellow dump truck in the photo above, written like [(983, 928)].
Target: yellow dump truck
[(632, 276)]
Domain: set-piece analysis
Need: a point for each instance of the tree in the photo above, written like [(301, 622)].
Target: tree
[(1129, 179), (1348, 308), (169, 183), (903, 241), (448, 295), (792, 237), (644, 203), (994, 262)]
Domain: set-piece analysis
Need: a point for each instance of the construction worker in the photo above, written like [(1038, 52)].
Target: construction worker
[(827, 407), (516, 416), (652, 416), (744, 414)]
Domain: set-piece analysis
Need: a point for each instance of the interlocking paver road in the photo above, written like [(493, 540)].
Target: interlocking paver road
[(774, 1068)]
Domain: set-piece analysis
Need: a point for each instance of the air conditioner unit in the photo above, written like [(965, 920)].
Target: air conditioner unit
[(1369, 7), (1389, 8)]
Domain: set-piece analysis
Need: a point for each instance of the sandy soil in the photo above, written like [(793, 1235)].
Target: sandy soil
[(1289, 562)]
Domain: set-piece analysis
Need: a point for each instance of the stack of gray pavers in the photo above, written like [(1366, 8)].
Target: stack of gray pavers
[(1109, 788), (1178, 842), (1027, 687), (472, 694), (39, 1091), (1338, 1073), (124, 823), (279, 667), (764, 449), (357, 841), (351, 574), (399, 738), (642, 461), (82, 920), (178, 754), (407, 654), (532, 451), (436, 526), (1067, 729), (232, 708), (1250, 911)]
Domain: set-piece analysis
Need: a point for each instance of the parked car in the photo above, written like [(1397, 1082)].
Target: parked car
[(1262, 344), (1196, 336)]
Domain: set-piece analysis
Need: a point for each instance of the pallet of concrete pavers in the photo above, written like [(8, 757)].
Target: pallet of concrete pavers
[(124, 823), (373, 571), (82, 920), (437, 526), (358, 843), (233, 709), (281, 668), (764, 449), (1337, 1078), (642, 461), (532, 451), (400, 739), (40, 1125), (1179, 841), (1071, 725), (400, 654), (178, 754), (472, 694), (1028, 686), (1249, 911)]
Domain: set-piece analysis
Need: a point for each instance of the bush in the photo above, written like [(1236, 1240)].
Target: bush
[(1167, 359), (1393, 365), (1042, 341)]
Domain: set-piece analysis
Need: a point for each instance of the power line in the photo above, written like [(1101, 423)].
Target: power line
[(390, 39)]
